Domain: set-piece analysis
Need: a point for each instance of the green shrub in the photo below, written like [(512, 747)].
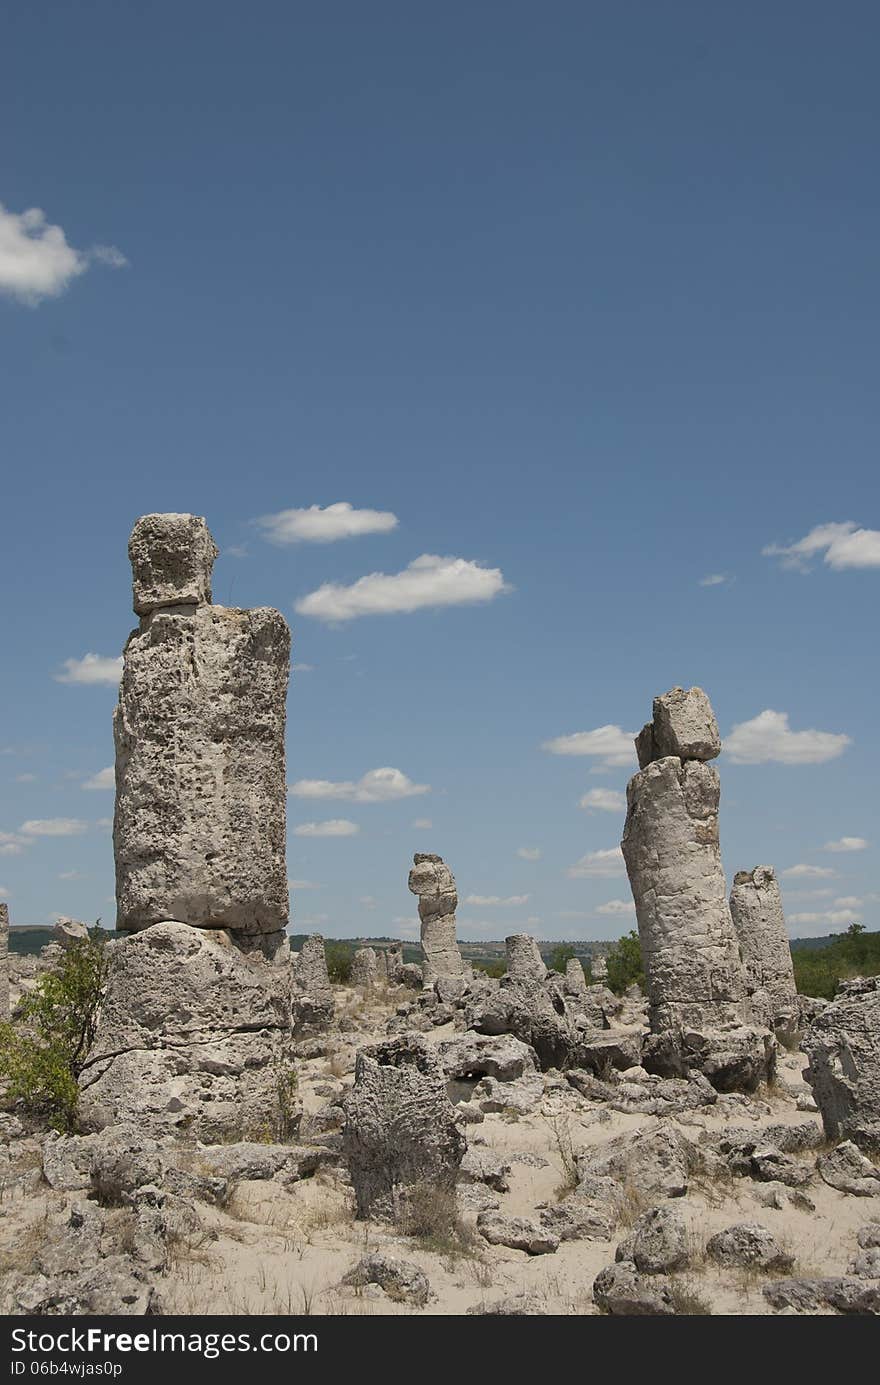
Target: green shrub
[(560, 957), (43, 1052), (853, 953), (495, 969), (339, 959), (625, 963)]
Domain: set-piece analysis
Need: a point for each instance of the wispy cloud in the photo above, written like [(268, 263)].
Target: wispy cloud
[(36, 261), (768, 737), (844, 844), (53, 827), (807, 872), (104, 779), (91, 668), (325, 525), (25, 779), (333, 827), (603, 864), (603, 801), (616, 907), (12, 844), (610, 745), (302, 885), (716, 579), (429, 581), (529, 853), (843, 545), (835, 918), (423, 824), (485, 901), (376, 786)]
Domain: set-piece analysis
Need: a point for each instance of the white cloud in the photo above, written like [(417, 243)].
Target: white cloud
[(612, 746), (617, 906), (25, 779), (36, 261), (808, 894), (302, 885), (715, 579), (847, 844), (104, 824), (53, 827), (428, 581), (91, 668), (333, 827), (603, 864), (491, 900), (845, 546), (71, 875), (104, 779), (302, 668), (423, 824), (604, 801), (325, 525), (848, 901), (802, 871), (11, 844), (376, 786), (837, 918), (529, 853), (406, 927), (367, 901), (768, 737), (235, 550), (4, 893)]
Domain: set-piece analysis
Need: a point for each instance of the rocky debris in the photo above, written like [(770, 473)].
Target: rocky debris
[(519, 1097), (199, 826), (591, 1212), (400, 1127), (485, 1166), (253, 1160), (750, 1246), (518, 1233), (193, 1037), (530, 1010), (733, 1057), (868, 1237), (621, 1291), (659, 1242), (313, 1004), (365, 967), (613, 1048), (764, 1153), (638, 1093), (410, 975), (656, 1161), (82, 1265), (433, 882), (866, 1264), (844, 1294), (4, 962), (66, 932), (523, 1305), (524, 960), (848, 1170), (401, 1279), (481, 1055), (842, 1045), (759, 921)]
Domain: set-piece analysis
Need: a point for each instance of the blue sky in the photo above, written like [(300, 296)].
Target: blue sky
[(584, 296)]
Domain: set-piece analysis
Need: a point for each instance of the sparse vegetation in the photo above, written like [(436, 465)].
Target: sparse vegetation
[(625, 963), (495, 969), (340, 956), (430, 1215), (43, 1051)]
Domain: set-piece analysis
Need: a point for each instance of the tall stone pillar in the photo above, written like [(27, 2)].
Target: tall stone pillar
[(759, 920), (433, 882), (199, 826), (694, 973)]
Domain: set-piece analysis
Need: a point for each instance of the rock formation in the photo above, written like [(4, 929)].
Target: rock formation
[(393, 960), (69, 931), (599, 967), (695, 977), (364, 967), (4, 962), (843, 1048), (194, 1037), (756, 909), (199, 827), (524, 960), (313, 1004), (433, 882), (400, 1128)]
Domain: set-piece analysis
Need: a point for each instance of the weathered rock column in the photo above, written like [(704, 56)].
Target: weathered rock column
[(313, 1003), (364, 967), (524, 960), (694, 973), (843, 1048), (199, 827), (4, 962), (759, 920), (433, 882)]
